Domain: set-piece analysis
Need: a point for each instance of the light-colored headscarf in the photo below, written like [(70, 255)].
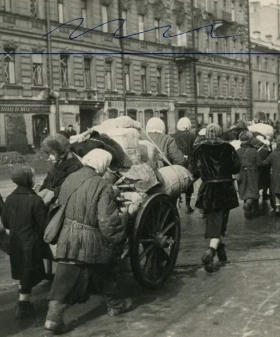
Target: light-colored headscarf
[(155, 125), (184, 124), (213, 131), (98, 159)]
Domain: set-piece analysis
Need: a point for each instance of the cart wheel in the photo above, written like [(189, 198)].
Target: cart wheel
[(155, 241)]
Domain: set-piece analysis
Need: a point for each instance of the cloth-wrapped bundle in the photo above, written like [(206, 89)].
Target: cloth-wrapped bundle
[(264, 129)]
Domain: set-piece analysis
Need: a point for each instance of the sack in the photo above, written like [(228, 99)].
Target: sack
[(57, 215)]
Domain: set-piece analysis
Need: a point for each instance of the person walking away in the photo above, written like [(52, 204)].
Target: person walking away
[(184, 139), (24, 217), (167, 145), (70, 132), (248, 178), (44, 135), (93, 232), (273, 161), (216, 161)]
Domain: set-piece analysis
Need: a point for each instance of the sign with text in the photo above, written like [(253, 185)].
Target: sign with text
[(24, 109), (138, 105)]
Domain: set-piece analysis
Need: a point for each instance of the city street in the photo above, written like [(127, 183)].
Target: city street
[(240, 299)]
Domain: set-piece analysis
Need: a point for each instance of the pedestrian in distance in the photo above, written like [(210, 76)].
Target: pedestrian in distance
[(248, 178), (184, 139), (63, 131), (23, 216), (166, 143), (70, 132), (215, 161), (90, 241)]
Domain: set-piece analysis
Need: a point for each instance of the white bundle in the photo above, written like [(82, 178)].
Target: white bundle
[(236, 144), (264, 129), (133, 201)]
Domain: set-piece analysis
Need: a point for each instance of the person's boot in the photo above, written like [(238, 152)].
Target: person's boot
[(221, 253), (54, 321), (189, 209), (24, 309), (208, 259), (127, 303), (248, 209)]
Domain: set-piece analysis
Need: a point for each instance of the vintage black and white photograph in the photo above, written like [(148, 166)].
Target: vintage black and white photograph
[(140, 168)]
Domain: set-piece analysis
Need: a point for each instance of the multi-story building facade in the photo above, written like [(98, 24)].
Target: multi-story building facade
[(54, 81), (265, 71), (223, 76)]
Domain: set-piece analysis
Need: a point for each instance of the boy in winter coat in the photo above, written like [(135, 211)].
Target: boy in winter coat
[(24, 216), (248, 179)]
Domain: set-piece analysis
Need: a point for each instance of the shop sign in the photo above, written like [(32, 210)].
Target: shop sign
[(220, 110), (138, 105), (24, 109)]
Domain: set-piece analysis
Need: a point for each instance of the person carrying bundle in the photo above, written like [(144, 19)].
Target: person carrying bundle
[(216, 161)]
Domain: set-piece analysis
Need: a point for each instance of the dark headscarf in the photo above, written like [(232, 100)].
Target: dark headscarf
[(22, 176)]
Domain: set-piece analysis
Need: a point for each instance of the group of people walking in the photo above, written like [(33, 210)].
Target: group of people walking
[(93, 233)]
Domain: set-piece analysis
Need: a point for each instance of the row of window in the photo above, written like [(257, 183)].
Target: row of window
[(267, 64), (222, 87), (267, 91), (236, 8)]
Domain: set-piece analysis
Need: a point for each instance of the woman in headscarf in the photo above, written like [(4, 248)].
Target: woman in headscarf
[(216, 161), (24, 216), (184, 138), (92, 235), (167, 145), (273, 161), (248, 179)]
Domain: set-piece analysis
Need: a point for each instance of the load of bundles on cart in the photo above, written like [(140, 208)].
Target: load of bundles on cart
[(135, 170)]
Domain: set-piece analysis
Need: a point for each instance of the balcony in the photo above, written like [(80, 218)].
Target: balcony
[(185, 54)]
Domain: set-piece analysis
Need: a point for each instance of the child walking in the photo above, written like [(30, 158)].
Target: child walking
[(24, 216)]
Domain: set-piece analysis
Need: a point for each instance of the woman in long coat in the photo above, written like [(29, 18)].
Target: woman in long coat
[(273, 161), (184, 138), (93, 231), (156, 132), (216, 161), (248, 179), (24, 216)]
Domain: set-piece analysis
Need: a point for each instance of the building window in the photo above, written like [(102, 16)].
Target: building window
[(274, 92), (267, 91), (179, 36), (64, 60), (243, 88), (60, 11), (181, 79), (259, 63), (141, 27), (144, 79), (157, 31), (259, 91), (209, 85), (34, 8), (235, 88), (216, 46), (37, 70), (87, 72), (149, 113), (273, 66), (227, 87), (210, 118), (233, 11), (197, 39), (225, 4), (265, 64), (8, 5), (105, 18), (127, 77), (9, 66), (108, 75), (242, 50), (132, 114), (274, 117), (219, 85), (199, 84), (84, 11), (159, 80), (124, 27), (207, 41), (241, 12)]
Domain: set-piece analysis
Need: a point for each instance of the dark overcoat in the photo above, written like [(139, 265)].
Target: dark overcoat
[(92, 226), (273, 161), (248, 181), (216, 161), (24, 215)]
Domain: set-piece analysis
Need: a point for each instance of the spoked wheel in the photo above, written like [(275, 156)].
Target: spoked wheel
[(155, 241)]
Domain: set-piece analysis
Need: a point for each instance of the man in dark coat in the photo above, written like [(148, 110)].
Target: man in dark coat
[(24, 216), (216, 161), (184, 138), (248, 178), (70, 132), (92, 231)]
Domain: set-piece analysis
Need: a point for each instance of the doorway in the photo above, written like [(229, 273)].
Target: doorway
[(164, 118), (86, 119), (39, 123)]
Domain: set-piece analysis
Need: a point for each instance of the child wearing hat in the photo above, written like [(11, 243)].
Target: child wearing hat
[(24, 216)]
